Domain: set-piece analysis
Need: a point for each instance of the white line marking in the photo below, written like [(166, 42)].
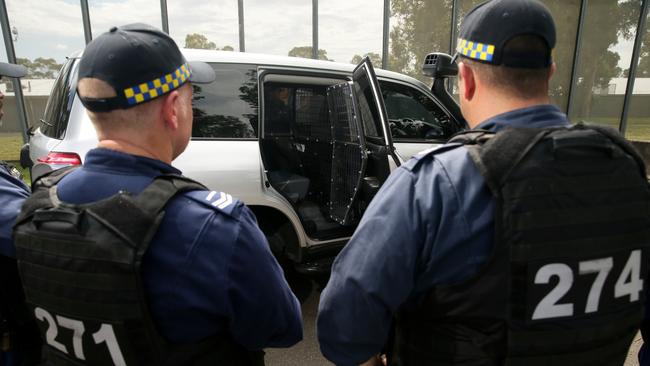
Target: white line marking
[(209, 197), (227, 203), (222, 198)]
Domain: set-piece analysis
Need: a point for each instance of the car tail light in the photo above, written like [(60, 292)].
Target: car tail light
[(61, 158)]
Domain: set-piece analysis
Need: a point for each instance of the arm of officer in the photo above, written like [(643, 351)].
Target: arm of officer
[(12, 195), (377, 271), (265, 313)]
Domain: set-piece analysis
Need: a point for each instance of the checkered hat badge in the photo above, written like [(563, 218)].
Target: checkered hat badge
[(475, 50), (154, 88)]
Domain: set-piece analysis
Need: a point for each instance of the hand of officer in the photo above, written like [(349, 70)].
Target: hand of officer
[(377, 360)]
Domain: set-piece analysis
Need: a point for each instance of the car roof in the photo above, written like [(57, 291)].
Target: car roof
[(280, 61)]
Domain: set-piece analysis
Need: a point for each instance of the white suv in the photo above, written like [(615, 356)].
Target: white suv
[(304, 143)]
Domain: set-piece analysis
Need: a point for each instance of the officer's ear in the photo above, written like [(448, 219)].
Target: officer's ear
[(551, 71), (466, 81), (170, 110)]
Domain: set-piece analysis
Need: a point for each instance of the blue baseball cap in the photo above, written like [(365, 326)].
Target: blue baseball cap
[(141, 63), (488, 27)]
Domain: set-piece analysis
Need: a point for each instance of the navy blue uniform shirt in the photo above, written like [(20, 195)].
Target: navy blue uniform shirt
[(12, 194), (208, 269), (431, 223)]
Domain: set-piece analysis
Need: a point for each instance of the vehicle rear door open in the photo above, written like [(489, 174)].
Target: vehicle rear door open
[(349, 154), (361, 144)]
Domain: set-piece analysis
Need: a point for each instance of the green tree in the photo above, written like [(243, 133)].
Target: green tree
[(374, 58), (643, 69), (420, 27), (606, 23), (200, 41), (40, 68), (305, 52)]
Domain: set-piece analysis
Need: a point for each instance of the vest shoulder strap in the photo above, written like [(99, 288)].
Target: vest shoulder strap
[(41, 194), (154, 198), (495, 162), (136, 218)]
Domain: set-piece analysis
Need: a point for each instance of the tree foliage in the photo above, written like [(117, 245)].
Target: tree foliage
[(603, 27), (643, 69), (375, 58), (40, 68), (200, 41), (305, 52), (419, 27)]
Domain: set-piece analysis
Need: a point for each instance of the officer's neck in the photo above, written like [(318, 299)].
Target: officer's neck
[(134, 148), (492, 104)]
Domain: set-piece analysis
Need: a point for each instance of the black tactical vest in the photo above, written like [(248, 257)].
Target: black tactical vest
[(566, 281), (80, 268)]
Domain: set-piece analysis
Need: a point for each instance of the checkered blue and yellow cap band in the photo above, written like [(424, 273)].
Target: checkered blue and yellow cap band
[(154, 88), (475, 50)]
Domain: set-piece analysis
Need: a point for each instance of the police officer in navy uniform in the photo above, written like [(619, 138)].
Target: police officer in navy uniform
[(522, 241), (20, 343), (126, 262)]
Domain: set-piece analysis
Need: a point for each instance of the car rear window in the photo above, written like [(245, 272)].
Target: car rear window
[(227, 108), (59, 104)]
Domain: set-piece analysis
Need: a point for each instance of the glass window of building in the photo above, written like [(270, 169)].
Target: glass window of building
[(347, 37), (566, 14), (417, 28), (279, 27), (105, 14), (609, 28), (638, 119), (10, 130), (204, 24)]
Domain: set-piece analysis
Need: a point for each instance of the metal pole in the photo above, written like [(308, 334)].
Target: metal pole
[(384, 46), (164, 16), (631, 75), (454, 20), (452, 37), (11, 57), (314, 29), (240, 11), (85, 17), (576, 58)]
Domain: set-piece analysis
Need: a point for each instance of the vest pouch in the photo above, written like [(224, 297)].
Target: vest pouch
[(57, 219)]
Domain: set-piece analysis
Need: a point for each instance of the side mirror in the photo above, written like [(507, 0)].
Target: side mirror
[(439, 65)]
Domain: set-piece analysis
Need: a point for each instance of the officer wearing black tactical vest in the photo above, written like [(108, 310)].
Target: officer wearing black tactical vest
[(126, 262), (523, 241), (20, 343)]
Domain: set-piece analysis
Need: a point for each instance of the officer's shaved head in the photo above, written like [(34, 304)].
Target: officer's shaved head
[(135, 118)]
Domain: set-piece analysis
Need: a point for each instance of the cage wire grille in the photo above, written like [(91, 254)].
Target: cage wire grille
[(348, 158), (311, 115)]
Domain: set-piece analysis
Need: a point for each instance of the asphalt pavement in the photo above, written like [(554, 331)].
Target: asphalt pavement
[(306, 352)]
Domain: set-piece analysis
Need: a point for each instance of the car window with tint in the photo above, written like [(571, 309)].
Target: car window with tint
[(413, 115), (59, 104), (227, 107)]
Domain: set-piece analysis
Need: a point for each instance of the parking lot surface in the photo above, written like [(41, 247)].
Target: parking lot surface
[(305, 353)]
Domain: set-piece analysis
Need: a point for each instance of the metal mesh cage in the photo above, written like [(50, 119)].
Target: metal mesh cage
[(348, 153), (311, 115)]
